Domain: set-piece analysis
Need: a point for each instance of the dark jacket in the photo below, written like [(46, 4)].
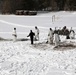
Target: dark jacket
[(31, 34)]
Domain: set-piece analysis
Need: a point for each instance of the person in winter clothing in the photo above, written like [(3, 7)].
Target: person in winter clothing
[(66, 32), (56, 39), (36, 33), (72, 34), (50, 36), (31, 34), (14, 34)]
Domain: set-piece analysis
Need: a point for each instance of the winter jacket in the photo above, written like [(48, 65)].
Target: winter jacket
[(56, 39), (37, 34), (14, 33), (50, 36), (72, 34)]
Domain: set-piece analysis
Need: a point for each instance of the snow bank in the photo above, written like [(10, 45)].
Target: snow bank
[(21, 58)]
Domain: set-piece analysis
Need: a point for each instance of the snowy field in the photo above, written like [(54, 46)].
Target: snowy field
[(22, 58), (43, 21)]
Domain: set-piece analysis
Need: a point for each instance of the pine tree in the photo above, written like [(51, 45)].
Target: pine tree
[(6, 6)]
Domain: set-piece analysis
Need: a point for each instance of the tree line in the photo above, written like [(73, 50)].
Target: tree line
[(10, 6)]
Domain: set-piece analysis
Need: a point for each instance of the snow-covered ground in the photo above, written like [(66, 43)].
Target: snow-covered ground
[(22, 58)]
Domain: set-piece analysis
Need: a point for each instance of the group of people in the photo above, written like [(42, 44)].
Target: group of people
[(53, 35), (33, 35)]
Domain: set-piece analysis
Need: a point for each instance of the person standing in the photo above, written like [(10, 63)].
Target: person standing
[(72, 34), (56, 39), (14, 34), (36, 33), (50, 36), (31, 34)]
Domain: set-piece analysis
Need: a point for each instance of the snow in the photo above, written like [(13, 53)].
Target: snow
[(22, 58), (43, 21)]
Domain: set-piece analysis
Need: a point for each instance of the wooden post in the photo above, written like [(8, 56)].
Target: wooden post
[(53, 18)]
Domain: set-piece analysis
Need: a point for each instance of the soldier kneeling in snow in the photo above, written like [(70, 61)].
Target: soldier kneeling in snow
[(56, 39), (72, 34), (14, 34), (50, 36)]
